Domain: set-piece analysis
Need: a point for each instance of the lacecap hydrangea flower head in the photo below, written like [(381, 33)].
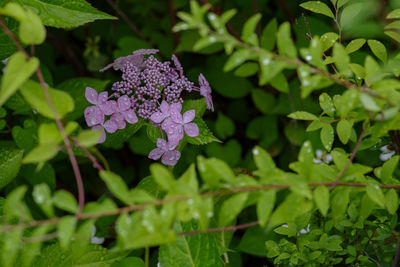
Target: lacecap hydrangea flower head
[(152, 90)]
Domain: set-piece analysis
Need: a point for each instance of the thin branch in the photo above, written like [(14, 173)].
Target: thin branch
[(172, 17), (397, 256), (287, 11), (89, 155), (74, 163), (160, 202), (42, 238), (128, 21), (353, 154), (220, 229), (255, 10)]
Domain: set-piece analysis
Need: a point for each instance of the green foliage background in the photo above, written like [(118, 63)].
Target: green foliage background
[(289, 78)]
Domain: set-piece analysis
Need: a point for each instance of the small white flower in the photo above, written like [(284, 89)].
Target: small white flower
[(94, 239), (386, 153), (322, 157)]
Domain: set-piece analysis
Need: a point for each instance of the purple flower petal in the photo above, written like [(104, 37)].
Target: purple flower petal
[(93, 116), (164, 107), (91, 95), (176, 134), (191, 129), (103, 133), (119, 119), (177, 65), (162, 144), (188, 116), (108, 107), (103, 97), (175, 108), (169, 126), (145, 51), (170, 157), (157, 117), (172, 144), (156, 153), (130, 116), (124, 103), (177, 117), (110, 126)]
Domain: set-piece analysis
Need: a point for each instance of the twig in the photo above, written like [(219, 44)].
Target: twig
[(160, 202), (40, 238), (220, 229), (89, 155), (286, 10), (172, 17), (78, 177), (397, 256), (255, 9), (128, 21), (353, 154)]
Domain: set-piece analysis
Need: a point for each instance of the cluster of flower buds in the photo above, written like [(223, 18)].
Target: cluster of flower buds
[(151, 90)]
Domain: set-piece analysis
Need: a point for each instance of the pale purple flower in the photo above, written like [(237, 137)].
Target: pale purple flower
[(165, 151), (108, 107), (162, 114), (177, 124), (205, 90), (144, 51), (178, 65), (93, 116), (136, 60)]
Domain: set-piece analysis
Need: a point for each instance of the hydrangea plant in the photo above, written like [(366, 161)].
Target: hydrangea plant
[(154, 91)]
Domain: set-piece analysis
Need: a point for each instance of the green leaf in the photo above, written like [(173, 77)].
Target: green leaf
[(391, 201), (10, 248), (77, 255), (395, 14), (341, 3), (129, 262), (368, 102), (280, 83), (17, 72), (199, 106), (205, 135), (31, 29), (247, 69), (269, 68), (343, 129), (65, 14), (7, 46), (42, 196), (303, 115), (13, 205), (116, 185), (263, 160), (321, 198), (65, 230), (318, 7), (326, 103), (265, 205), (388, 169), (340, 202), (393, 25), (355, 45), (372, 70), (10, 163), (285, 43), (41, 153), (328, 39), (224, 126), (190, 251), (375, 193), (231, 208), (378, 49), (236, 59), (64, 200), (327, 136), (268, 36), (213, 170), (248, 33), (394, 35), (342, 60), (162, 176), (88, 138), (265, 102), (34, 95)]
